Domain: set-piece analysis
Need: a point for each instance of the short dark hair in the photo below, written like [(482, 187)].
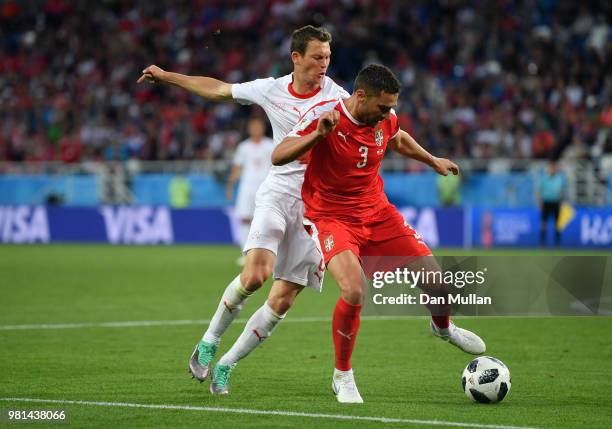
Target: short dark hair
[(376, 78), (301, 37)]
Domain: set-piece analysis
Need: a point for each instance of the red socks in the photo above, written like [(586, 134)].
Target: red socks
[(345, 325), (441, 322)]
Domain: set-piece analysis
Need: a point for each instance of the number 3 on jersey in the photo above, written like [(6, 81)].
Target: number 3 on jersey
[(364, 154)]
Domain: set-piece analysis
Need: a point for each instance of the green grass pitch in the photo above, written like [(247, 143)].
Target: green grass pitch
[(561, 367)]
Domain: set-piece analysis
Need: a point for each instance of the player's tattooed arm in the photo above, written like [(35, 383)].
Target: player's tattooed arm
[(292, 148), (206, 87), (405, 145)]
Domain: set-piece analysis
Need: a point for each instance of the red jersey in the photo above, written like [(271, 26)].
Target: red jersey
[(342, 180)]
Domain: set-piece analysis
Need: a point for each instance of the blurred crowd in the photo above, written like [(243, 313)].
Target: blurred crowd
[(481, 79)]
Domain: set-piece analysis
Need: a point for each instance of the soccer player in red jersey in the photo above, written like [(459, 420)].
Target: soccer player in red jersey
[(348, 213)]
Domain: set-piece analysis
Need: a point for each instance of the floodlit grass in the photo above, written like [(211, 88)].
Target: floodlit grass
[(561, 367)]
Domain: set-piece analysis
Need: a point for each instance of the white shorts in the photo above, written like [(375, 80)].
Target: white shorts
[(245, 202), (278, 226)]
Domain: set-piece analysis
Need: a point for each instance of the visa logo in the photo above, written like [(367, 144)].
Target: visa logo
[(24, 224), (138, 225), (424, 221), (596, 230)]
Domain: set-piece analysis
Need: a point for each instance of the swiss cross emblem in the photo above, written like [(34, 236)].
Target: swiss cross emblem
[(329, 243), (378, 137)]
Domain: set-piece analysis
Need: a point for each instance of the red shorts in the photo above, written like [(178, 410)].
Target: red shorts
[(382, 243)]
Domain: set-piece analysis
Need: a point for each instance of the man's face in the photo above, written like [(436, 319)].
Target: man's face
[(552, 169), (375, 108), (256, 129), (313, 64)]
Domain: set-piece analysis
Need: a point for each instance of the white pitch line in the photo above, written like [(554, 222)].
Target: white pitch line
[(266, 412), (146, 323)]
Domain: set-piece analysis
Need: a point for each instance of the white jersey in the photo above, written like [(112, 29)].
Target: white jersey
[(255, 161), (284, 108)]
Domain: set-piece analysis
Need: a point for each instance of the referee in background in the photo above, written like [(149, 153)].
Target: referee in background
[(550, 193)]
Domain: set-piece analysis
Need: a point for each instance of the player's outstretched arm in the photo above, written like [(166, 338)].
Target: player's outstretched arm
[(291, 148), (405, 145), (207, 87), (233, 178)]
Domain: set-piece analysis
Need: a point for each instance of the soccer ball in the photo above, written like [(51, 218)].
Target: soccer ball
[(486, 380)]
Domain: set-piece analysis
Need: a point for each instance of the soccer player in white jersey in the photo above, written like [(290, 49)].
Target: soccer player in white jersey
[(277, 243), (251, 165)]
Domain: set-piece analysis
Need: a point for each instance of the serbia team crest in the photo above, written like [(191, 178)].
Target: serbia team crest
[(378, 137), (329, 243)]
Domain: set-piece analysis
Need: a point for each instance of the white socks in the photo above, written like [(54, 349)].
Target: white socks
[(258, 328), (230, 305)]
